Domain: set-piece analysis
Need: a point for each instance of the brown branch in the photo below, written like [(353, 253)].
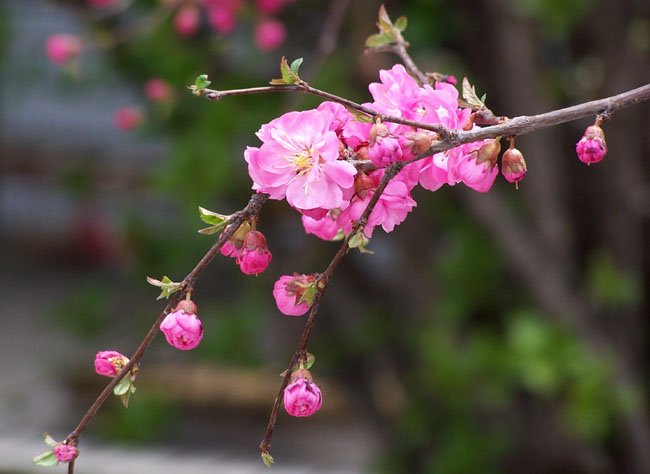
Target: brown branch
[(237, 219), (322, 282)]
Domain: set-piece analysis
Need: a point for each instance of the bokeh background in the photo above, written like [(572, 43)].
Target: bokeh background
[(497, 333)]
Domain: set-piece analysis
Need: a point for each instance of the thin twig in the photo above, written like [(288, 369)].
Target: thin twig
[(323, 281), (252, 209)]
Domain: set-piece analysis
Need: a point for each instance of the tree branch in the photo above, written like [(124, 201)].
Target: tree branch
[(252, 209)]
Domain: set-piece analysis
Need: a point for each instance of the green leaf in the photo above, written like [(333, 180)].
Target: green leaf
[(379, 39), (49, 440), (309, 294), (218, 221), (400, 24), (201, 82), (45, 459), (296, 65), (268, 459), (123, 386), (384, 24), (359, 117), (168, 287)]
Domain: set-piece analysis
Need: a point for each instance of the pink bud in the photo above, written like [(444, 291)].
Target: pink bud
[(182, 329), (288, 292), (127, 118), (269, 7), (513, 165), (255, 255), (233, 248), (451, 80), (109, 363), (61, 49), (157, 89), (65, 452), (302, 397), (269, 34), (222, 18), (384, 151), (186, 21), (592, 147)]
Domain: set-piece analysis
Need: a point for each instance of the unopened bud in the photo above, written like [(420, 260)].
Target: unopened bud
[(418, 141), (378, 130), (513, 166), (592, 147), (362, 184), (188, 306)]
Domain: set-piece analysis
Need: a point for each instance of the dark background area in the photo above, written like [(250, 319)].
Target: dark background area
[(500, 332)]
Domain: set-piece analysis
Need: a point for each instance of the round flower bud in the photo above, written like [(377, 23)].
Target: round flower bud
[(302, 397), (109, 363), (255, 255), (65, 452), (182, 328), (61, 49), (592, 147), (513, 165)]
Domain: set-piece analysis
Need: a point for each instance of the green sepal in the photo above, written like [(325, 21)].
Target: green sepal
[(400, 24), (167, 286), (49, 440), (267, 459), (123, 386), (200, 83), (45, 459), (359, 241), (308, 295), (311, 358)]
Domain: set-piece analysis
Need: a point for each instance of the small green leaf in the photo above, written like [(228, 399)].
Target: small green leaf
[(201, 82), (168, 287), (483, 97), (288, 75), (210, 230), (360, 116), (211, 217), (123, 386), (309, 294), (45, 459), (469, 94), (49, 440), (400, 24), (379, 39), (296, 65), (268, 459), (385, 24)]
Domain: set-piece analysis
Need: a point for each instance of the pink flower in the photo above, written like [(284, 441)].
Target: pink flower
[(65, 452), (127, 118), (513, 165), (182, 328), (61, 49), (255, 255), (222, 14), (302, 396), (157, 89), (186, 20), (109, 363), (397, 92), (326, 227), (269, 7), (269, 34), (299, 160), (592, 147), (290, 293)]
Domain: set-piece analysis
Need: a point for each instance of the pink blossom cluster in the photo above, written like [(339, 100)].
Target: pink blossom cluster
[(221, 16), (305, 156), (182, 328), (249, 249)]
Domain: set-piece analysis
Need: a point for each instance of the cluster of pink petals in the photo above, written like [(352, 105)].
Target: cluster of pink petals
[(109, 363), (65, 452), (302, 397), (182, 328), (288, 292), (62, 48), (299, 161), (254, 256)]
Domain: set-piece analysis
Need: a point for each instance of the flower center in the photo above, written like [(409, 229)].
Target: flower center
[(302, 161)]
